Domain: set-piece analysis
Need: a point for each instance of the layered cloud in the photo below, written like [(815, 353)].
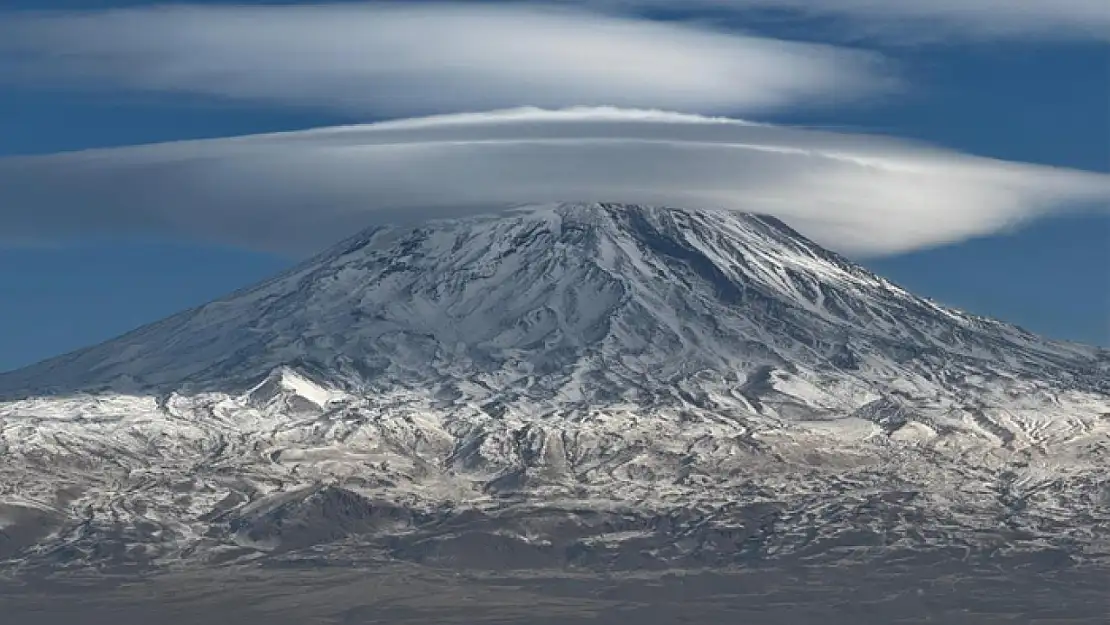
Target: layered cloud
[(297, 192), (390, 59), (921, 20)]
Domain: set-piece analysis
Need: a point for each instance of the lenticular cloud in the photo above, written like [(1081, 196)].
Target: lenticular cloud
[(907, 21), (393, 59), (296, 192)]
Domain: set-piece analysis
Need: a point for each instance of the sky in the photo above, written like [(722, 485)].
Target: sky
[(960, 150)]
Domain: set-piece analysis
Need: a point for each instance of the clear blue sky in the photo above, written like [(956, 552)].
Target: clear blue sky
[(1035, 101)]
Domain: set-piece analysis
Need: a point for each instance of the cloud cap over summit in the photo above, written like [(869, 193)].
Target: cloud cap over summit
[(297, 192)]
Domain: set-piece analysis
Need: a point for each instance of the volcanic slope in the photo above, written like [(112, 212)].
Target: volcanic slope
[(599, 384)]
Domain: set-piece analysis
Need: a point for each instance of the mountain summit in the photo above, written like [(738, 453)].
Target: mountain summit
[(570, 303), (581, 382)]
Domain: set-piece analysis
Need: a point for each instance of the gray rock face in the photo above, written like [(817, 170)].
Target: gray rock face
[(571, 385)]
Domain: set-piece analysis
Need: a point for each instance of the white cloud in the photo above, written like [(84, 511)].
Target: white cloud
[(924, 20), (300, 191), (403, 59)]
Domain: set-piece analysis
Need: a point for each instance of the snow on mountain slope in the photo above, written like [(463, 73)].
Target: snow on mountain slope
[(633, 362), (566, 294)]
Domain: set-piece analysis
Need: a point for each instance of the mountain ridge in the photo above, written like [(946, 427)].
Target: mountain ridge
[(599, 384), (672, 246)]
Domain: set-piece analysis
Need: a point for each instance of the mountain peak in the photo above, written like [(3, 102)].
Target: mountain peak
[(607, 380), (598, 302)]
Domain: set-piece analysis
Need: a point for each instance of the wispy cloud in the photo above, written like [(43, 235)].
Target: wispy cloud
[(297, 192), (402, 59), (917, 21)]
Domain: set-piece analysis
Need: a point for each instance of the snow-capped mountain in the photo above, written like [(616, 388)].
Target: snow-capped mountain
[(598, 384)]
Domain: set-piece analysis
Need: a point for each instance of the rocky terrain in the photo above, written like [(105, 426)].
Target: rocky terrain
[(573, 387)]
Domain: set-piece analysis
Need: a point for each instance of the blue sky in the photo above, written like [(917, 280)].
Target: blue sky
[(1031, 98)]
